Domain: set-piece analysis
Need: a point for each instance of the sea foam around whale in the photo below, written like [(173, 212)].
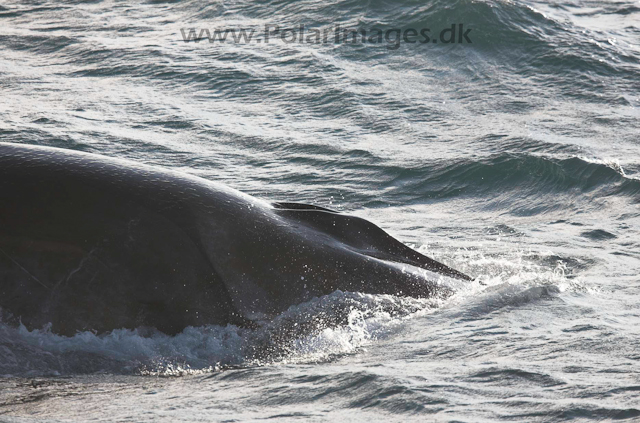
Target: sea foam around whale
[(319, 330)]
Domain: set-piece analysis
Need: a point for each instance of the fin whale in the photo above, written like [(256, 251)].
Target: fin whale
[(95, 243)]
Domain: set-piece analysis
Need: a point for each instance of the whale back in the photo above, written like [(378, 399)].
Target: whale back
[(92, 243)]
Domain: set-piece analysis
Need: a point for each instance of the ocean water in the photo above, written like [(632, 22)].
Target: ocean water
[(514, 158)]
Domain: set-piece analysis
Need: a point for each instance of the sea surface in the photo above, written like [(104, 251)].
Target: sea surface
[(514, 158)]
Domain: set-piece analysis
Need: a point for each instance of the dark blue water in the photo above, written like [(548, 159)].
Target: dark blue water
[(514, 158)]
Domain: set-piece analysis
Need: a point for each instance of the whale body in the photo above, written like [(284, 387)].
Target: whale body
[(95, 243)]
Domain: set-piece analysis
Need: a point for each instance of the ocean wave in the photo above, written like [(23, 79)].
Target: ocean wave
[(506, 180)]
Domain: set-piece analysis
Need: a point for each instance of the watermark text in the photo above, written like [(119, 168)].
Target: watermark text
[(393, 38)]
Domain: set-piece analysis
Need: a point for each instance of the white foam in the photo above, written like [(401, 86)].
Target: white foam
[(611, 163)]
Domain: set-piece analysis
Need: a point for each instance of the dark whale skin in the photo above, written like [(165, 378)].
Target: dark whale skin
[(94, 243)]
